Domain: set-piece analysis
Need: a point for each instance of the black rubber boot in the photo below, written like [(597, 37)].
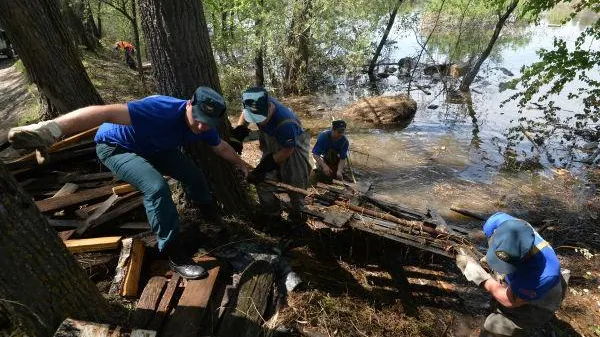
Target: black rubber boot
[(183, 264), (210, 214)]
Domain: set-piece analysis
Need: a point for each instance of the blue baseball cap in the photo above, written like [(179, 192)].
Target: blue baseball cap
[(256, 104), (208, 107), (509, 245), (494, 221)]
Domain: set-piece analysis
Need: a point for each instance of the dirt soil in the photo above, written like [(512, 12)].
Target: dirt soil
[(14, 96)]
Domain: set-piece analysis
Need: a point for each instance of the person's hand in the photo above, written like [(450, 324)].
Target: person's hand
[(470, 268), (327, 170), (38, 137), (245, 169), (339, 176)]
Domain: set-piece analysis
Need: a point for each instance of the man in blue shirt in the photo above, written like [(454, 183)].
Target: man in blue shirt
[(284, 145), (533, 286), (330, 152), (139, 142)]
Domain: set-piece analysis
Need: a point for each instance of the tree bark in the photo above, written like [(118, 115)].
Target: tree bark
[(41, 284), (259, 62), (136, 38), (296, 63), (389, 26), (47, 53), (75, 12), (182, 59), (470, 77)]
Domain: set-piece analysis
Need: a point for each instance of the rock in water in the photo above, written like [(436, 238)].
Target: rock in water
[(397, 111)]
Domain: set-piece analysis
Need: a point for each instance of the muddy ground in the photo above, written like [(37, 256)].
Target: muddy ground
[(356, 285)]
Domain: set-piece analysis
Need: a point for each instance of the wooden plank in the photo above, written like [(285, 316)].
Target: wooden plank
[(77, 178), (148, 302), (95, 330), (66, 235), (61, 144), (64, 223), (93, 245), (165, 304), (132, 277), (78, 198), (67, 189), (98, 212), (117, 212), (245, 316), (123, 189), (187, 320)]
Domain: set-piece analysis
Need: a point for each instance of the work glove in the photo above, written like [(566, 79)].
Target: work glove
[(38, 137), (236, 139), (470, 268), (266, 165)]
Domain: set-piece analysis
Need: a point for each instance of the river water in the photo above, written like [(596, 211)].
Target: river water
[(446, 156)]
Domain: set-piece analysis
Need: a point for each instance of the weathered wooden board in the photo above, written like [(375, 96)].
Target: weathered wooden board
[(148, 302), (78, 198), (190, 315), (165, 304), (67, 189)]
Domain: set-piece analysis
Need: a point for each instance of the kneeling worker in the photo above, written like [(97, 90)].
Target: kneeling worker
[(139, 142), (284, 145), (331, 152), (533, 286)]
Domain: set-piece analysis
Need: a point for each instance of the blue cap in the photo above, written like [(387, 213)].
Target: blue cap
[(509, 245), (256, 104), (494, 221), (208, 106)]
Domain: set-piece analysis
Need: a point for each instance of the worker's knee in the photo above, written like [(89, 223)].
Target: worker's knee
[(156, 189)]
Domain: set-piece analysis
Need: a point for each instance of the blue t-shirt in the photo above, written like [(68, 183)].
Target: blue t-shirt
[(324, 143), (157, 124), (286, 133), (538, 274)]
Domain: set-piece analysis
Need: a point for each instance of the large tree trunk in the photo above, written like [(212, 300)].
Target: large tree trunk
[(389, 26), (136, 38), (296, 63), (40, 284), (470, 77), (182, 59), (47, 53), (75, 13)]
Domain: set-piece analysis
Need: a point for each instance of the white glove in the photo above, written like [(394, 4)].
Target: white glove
[(39, 137), (471, 269)]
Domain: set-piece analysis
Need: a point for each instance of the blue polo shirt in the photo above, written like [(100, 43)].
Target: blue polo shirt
[(157, 124), (537, 275), (324, 143), (286, 133)]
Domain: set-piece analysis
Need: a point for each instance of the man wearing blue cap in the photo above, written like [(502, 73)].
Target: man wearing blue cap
[(533, 286), (139, 142), (331, 152), (284, 145)]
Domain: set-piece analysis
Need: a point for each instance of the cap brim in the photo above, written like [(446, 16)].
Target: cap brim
[(198, 115), (498, 265), (253, 118)]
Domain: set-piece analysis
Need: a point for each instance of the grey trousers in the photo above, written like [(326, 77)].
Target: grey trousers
[(524, 320), (294, 171)]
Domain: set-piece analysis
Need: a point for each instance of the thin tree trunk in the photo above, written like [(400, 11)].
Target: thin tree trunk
[(470, 77), (388, 28), (182, 59), (136, 39), (57, 70), (40, 284), (99, 25), (259, 64), (296, 65)]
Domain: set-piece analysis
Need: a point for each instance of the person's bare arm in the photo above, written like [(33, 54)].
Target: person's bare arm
[(89, 117), (503, 294), (340, 168), (225, 151), (282, 155)]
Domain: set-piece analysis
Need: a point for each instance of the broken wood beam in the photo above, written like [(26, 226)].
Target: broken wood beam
[(78, 198), (67, 189), (468, 213), (165, 304), (123, 189), (93, 245), (125, 282), (244, 317), (148, 302)]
